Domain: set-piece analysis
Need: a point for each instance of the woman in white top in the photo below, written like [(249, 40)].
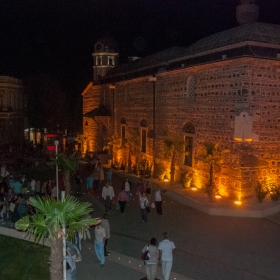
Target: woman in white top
[(151, 264)]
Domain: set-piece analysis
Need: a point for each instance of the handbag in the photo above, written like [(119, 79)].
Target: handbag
[(152, 205), (148, 209), (146, 255), (118, 207)]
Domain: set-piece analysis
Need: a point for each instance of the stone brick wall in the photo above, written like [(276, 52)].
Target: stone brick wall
[(209, 96)]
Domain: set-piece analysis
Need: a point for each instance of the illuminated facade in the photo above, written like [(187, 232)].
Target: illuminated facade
[(11, 110), (224, 88)]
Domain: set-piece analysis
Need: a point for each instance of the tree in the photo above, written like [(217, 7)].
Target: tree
[(68, 164), (212, 155), (50, 219), (172, 147)]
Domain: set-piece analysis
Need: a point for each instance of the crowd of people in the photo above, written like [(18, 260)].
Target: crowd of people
[(16, 190)]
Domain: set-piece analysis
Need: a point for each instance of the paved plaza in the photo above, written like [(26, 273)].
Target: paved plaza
[(207, 247)]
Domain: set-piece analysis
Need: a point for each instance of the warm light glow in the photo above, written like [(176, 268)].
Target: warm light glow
[(218, 196), (237, 202), (194, 188)]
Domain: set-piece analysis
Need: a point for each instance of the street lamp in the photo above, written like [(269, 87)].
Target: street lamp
[(56, 142)]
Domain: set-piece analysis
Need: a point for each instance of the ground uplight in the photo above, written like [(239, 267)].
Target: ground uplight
[(237, 202)]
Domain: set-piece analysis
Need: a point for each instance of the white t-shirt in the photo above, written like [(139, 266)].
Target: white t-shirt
[(158, 196), (166, 246), (100, 234), (127, 186), (32, 185)]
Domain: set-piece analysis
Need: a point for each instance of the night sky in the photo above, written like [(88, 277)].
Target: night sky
[(57, 36)]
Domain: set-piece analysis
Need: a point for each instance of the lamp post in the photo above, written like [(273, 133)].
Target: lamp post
[(56, 142), (64, 242)]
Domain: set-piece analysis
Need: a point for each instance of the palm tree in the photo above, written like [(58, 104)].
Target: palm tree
[(172, 147), (214, 156), (68, 165), (48, 221)]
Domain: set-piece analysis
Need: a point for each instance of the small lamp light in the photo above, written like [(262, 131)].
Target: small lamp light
[(165, 179)]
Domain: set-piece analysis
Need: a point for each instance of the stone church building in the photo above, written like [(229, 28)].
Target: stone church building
[(223, 88)]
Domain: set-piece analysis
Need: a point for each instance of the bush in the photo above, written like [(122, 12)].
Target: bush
[(186, 178), (159, 171), (274, 192), (261, 192)]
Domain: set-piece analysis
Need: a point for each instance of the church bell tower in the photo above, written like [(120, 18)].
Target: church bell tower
[(105, 57)]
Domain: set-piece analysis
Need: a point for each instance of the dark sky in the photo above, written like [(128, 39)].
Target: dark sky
[(57, 36)]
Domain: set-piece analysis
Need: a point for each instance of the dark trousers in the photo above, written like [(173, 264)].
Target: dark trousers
[(159, 207), (144, 214), (122, 205), (105, 246), (96, 185), (107, 203)]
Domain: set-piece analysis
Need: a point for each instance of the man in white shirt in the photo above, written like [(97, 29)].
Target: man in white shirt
[(108, 194), (166, 250), (32, 186), (100, 237)]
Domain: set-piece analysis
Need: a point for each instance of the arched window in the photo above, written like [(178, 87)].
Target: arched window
[(190, 87), (143, 135), (188, 134)]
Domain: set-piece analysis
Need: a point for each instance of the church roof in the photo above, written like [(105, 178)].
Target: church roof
[(159, 58), (253, 31), (100, 111)]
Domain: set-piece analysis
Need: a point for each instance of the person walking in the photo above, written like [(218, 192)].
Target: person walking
[(101, 174), (100, 237), (166, 250), (108, 194), (32, 186), (158, 200), (148, 190), (95, 178), (122, 199), (141, 188), (109, 175), (89, 183), (126, 185), (78, 182), (143, 201), (105, 224), (151, 264)]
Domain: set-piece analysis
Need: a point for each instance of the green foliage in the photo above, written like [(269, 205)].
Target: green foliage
[(274, 192), (51, 215), (67, 163), (173, 145), (260, 191), (159, 171), (186, 178), (145, 168), (23, 259)]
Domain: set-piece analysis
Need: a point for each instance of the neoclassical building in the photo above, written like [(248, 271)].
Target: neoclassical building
[(11, 110), (223, 88)]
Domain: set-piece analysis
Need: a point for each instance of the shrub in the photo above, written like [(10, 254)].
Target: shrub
[(261, 192), (186, 178)]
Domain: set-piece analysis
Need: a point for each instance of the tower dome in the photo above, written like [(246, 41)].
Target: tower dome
[(106, 43), (247, 11)]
